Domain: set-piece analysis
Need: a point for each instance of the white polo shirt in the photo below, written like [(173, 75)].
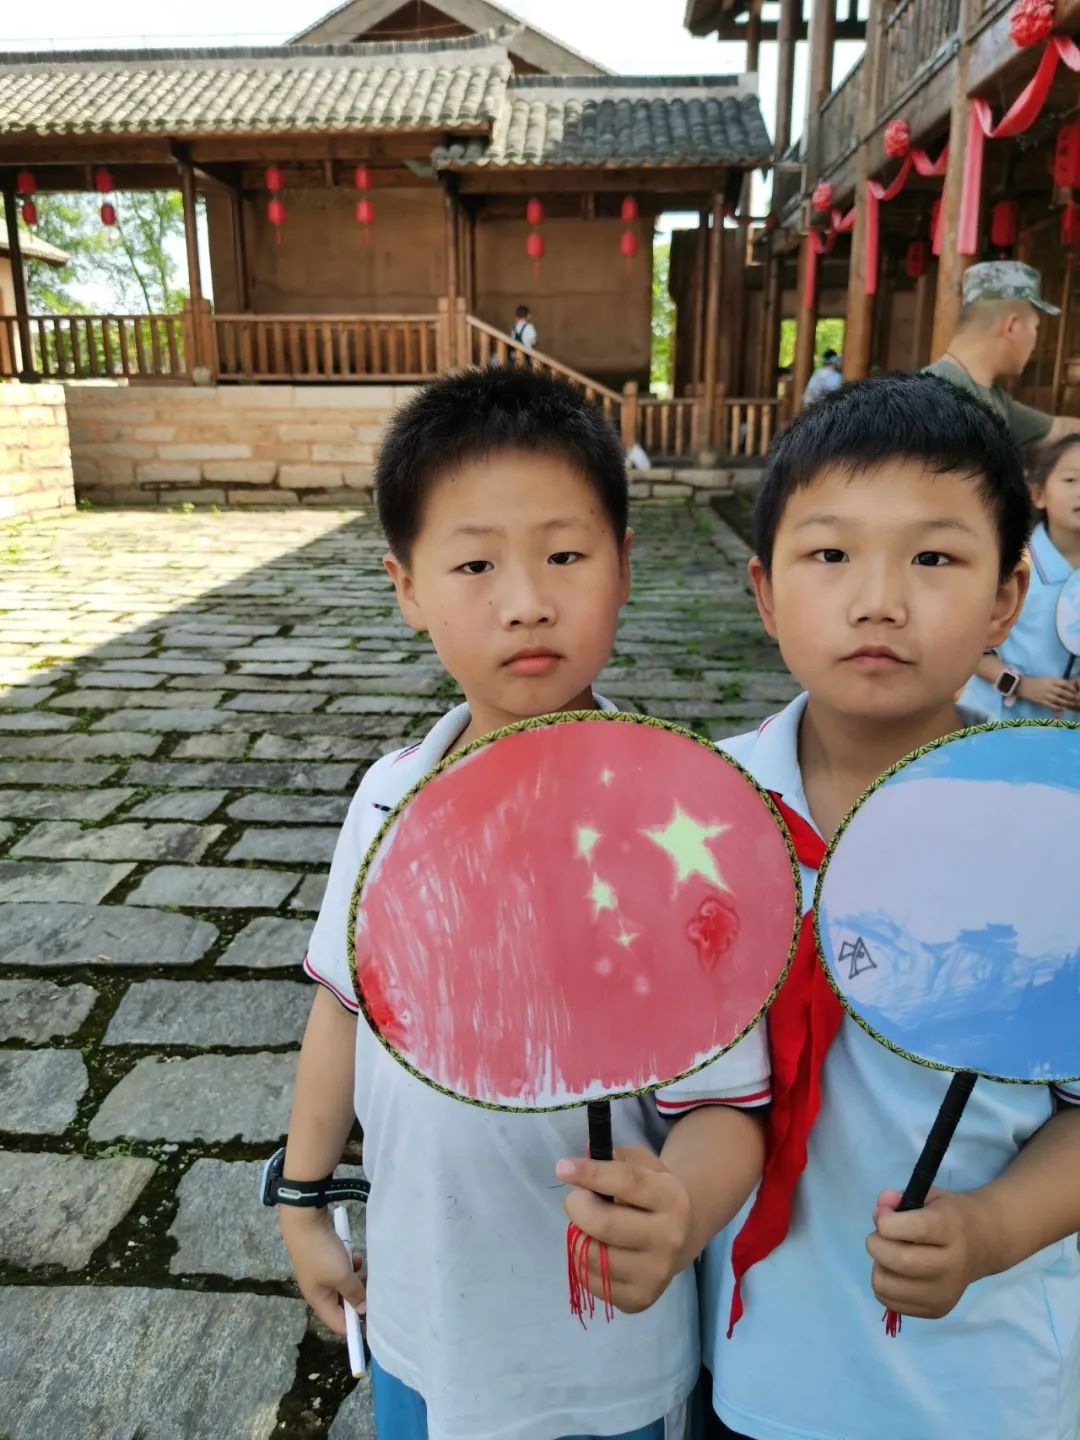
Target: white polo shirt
[(1032, 646), (810, 1360), (467, 1290)]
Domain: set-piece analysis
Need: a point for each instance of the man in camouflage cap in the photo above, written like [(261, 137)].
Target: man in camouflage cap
[(995, 337)]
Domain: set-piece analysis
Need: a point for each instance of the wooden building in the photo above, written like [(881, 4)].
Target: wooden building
[(383, 191), (886, 147)]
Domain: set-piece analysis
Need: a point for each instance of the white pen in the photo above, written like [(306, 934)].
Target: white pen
[(357, 1362)]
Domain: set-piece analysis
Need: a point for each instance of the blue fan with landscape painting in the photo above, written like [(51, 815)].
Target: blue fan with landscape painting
[(948, 920)]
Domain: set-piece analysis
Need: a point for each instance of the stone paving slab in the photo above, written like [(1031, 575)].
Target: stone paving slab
[(297, 843), (212, 1097), (248, 1013), (241, 775), (180, 805), (160, 1364), (270, 943), (290, 809), (41, 1090), (57, 1209), (68, 934), (212, 887), (39, 1010), (310, 894), (128, 840), (220, 1228), (355, 1420), (62, 804), (84, 880), (123, 743)]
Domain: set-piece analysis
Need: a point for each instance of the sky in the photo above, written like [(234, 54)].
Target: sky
[(650, 41)]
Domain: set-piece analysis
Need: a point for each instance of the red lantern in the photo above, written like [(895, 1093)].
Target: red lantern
[(362, 177), (108, 214), (534, 248), (1070, 225), (628, 244), (103, 181), (275, 213), (25, 184), (915, 259), (365, 216), (897, 139), (1005, 224), (29, 212), (275, 180), (1031, 22), (1067, 156), (822, 197), (534, 213), (628, 211)]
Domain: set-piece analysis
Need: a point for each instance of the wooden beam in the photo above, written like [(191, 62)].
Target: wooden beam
[(770, 324), (951, 266), (785, 72), (708, 426), (240, 262), (470, 259), (18, 282), (191, 242), (805, 326), (859, 326), (753, 38), (923, 320), (692, 183), (450, 211), (820, 68), (701, 270)]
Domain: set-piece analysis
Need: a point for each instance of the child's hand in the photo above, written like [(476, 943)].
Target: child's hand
[(647, 1230), (925, 1259), (323, 1271), (1050, 691)]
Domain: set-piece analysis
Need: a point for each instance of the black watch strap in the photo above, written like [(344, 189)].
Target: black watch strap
[(277, 1190)]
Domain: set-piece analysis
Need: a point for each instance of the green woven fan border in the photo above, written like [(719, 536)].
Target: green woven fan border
[(564, 717), (902, 764)]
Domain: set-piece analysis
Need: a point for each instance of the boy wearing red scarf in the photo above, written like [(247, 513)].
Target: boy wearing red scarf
[(890, 526)]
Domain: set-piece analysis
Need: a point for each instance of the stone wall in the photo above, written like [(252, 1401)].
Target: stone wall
[(689, 485), (227, 445), (35, 460)]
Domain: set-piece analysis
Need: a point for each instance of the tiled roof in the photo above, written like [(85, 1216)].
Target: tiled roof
[(424, 85), (34, 248), (619, 120)]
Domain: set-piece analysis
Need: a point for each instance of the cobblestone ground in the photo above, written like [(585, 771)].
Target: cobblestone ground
[(186, 705)]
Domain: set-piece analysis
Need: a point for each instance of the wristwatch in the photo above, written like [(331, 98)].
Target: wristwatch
[(1007, 684), (276, 1190)]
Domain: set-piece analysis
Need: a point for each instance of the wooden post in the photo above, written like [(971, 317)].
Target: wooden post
[(820, 69), (951, 266), (771, 304), (1063, 332), (628, 418), (240, 266), (442, 336), (923, 319), (859, 328), (707, 435), (772, 309), (701, 270), (753, 37), (790, 11), (461, 332), (191, 240), (18, 280), (470, 259), (805, 327), (450, 209)]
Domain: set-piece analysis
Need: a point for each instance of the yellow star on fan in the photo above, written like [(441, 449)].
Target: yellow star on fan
[(684, 840), (601, 895), (586, 839)]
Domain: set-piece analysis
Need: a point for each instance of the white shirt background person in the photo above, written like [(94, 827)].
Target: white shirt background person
[(826, 377)]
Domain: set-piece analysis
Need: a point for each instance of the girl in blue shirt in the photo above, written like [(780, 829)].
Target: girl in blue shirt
[(1023, 678)]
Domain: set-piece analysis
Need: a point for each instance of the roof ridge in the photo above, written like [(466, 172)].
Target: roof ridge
[(623, 82)]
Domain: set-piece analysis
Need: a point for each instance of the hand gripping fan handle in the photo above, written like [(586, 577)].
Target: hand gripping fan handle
[(1067, 672), (600, 1147), (937, 1142)]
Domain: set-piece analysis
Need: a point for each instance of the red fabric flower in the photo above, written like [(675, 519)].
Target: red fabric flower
[(713, 929), (1031, 22), (897, 139), (822, 197)]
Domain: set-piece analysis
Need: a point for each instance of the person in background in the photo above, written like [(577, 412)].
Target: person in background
[(1024, 678), (995, 338), (524, 331), (825, 379)]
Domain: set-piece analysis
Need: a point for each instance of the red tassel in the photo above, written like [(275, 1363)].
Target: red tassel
[(582, 1300), (893, 1323)]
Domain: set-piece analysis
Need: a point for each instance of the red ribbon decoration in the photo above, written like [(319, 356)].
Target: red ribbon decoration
[(879, 194), (1020, 116)]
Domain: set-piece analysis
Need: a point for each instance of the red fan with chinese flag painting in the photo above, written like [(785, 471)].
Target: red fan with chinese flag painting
[(582, 907)]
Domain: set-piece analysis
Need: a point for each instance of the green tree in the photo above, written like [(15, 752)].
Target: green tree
[(131, 263), (828, 336), (663, 320)]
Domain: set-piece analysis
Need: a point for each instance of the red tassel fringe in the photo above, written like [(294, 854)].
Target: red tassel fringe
[(582, 1300), (893, 1322)]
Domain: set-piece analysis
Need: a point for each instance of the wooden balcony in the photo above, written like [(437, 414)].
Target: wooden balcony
[(838, 123)]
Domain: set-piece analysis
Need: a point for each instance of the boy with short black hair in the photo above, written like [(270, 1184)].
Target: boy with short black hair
[(890, 526), (503, 495)]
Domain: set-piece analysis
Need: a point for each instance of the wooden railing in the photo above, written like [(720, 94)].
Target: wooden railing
[(838, 121), (919, 36), (92, 347), (485, 345), (667, 427), (747, 427), (338, 348)]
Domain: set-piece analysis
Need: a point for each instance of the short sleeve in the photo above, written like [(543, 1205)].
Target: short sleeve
[(1067, 1094), (740, 1078), (327, 960), (1026, 425)]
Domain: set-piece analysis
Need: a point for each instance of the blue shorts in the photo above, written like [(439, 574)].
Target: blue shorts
[(400, 1413)]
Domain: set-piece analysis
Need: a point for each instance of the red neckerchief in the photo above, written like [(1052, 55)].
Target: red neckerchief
[(802, 1021)]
